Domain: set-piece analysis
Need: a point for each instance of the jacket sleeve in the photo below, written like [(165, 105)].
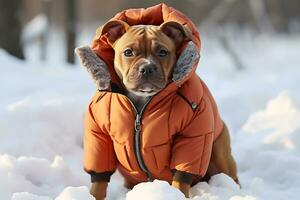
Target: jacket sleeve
[(99, 157), (192, 146)]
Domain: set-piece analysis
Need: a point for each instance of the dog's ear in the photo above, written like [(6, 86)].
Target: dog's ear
[(113, 30), (175, 31)]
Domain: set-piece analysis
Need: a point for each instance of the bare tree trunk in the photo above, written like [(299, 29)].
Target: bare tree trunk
[(71, 29), (10, 27), (260, 15), (218, 12), (45, 7), (276, 10), (231, 52), (213, 18)]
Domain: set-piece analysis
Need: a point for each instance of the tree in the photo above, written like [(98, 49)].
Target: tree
[(71, 29), (10, 27)]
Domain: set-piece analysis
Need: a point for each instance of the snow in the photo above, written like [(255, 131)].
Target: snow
[(219, 187), (159, 190), (42, 107), (71, 193), (278, 124)]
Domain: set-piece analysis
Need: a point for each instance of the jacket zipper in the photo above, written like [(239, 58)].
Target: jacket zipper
[(137, 139)]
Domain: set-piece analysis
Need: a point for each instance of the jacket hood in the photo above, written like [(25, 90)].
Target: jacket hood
[(99, 58)]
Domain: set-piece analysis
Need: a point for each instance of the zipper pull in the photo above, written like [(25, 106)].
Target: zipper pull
[(137, 125), (149, 178)]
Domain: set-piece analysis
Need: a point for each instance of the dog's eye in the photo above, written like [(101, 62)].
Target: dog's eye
[(162, 53), (128, 53)]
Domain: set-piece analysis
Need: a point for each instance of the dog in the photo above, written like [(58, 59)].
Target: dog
[(152, 116)]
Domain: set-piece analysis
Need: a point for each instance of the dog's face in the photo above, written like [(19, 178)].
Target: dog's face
[(144, 54)]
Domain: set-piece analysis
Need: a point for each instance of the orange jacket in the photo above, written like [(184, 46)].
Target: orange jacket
[(175, 131)]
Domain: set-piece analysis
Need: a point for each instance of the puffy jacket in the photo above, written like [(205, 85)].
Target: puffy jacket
[(174, 131)]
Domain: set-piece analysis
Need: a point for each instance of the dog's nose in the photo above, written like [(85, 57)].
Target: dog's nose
[(147, 69)]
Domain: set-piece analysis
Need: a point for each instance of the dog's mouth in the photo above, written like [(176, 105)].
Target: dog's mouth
[(146, 90), (144, 85), (144, 93)]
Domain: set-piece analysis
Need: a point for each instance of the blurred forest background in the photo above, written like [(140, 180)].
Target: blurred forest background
[(50, 29)]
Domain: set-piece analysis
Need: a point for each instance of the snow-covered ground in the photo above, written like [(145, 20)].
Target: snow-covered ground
[(42, 107)]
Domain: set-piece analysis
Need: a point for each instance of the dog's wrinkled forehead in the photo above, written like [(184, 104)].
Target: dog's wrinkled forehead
[(140, 33), (115, 29), (142, 30)]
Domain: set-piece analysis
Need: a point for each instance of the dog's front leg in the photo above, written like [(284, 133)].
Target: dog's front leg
[(183, 187), (98, 190)]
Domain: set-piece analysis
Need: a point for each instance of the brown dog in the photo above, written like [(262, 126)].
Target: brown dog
[(153, 117), (145, 56)]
